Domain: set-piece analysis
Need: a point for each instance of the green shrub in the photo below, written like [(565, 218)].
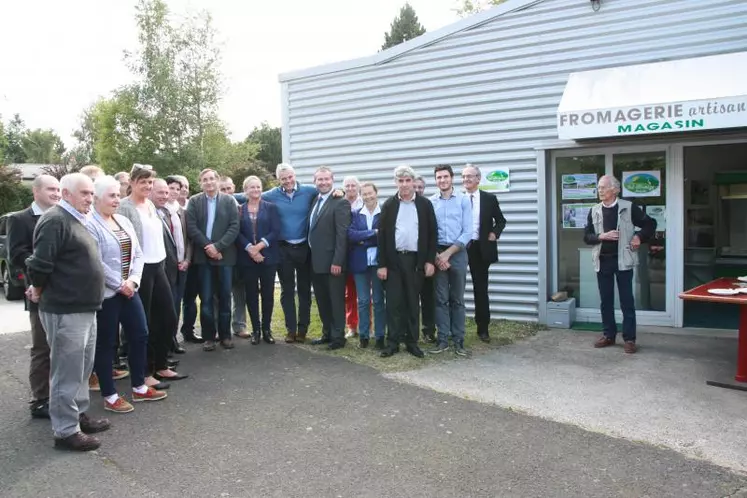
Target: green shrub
[(14, 195)]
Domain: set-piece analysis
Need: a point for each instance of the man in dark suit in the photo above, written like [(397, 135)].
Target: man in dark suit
[(488, 224), (213, 224), (407, 253), (329, 220), (428, 290), (21, 226)]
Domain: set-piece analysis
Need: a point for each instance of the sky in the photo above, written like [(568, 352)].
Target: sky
[(66, 54)]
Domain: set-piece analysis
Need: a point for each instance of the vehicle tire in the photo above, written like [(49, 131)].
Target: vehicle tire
[(12, 292)]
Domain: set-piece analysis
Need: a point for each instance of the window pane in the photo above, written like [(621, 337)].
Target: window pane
[(643, 179), (576, 191)]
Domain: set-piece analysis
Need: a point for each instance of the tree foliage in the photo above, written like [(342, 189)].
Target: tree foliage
[(270, 143), (13, 194), (404, 27), (469, 7), (42, 146), (168, 117), (14, 132)]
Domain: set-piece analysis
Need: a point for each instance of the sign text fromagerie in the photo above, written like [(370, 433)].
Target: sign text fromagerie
[(658, 118)]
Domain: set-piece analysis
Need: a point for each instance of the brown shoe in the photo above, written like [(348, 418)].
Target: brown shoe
[(93, 383), (77, 442), (290, 338), (630, 347), (93, 425), (603, 342), (226, 344), (301, 338), (208, 346)]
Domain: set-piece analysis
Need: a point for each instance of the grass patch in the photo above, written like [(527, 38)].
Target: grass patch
[(502, 332)]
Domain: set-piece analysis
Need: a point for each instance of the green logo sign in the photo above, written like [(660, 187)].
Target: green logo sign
[(642, 183)]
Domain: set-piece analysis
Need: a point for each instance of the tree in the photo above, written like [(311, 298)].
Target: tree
[(42, 146), (404, 27), (3, 142), (13, 194), (270, 142), (469, 7), (14, 152)]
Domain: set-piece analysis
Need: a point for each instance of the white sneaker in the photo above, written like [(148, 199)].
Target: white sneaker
[(351, 333)]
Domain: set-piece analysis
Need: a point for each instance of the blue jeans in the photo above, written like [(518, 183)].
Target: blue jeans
[(367, 284), (130, 313), (215, 279), (608, 270), (450, 311)]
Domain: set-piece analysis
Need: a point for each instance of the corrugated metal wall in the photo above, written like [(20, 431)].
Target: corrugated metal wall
[(488, 95)]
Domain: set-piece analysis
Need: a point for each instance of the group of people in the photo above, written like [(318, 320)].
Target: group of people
[(112, 263)]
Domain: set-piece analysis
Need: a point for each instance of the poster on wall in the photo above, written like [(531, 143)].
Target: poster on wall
[(641, 183), (579, 186), (658, 213), (576, 215), (496, 179)]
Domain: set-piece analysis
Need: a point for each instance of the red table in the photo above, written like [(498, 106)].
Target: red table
[(701, 293)]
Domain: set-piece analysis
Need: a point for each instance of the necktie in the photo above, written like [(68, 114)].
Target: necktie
[(472, 200), (316, 209)]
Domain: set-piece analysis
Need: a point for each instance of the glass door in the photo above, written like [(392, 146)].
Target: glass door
[(643, 178)]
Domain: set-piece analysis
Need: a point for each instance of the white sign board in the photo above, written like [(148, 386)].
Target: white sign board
[(696, 115)]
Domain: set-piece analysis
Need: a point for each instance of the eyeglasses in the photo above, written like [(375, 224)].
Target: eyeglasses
[(468, 177), (146, 167)]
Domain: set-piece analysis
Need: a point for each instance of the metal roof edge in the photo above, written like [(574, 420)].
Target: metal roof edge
[(403, 48)]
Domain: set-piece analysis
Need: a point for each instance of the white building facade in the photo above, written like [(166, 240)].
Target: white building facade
[(532, 88)]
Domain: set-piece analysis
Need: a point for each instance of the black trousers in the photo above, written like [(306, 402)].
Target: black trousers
[(478, 269), (294, 273), (189, 304), (403, 284), (259, 281), (158, 303), (428, 306), (329, 291)]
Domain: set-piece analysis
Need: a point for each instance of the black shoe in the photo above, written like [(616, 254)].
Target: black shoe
[(172, 363), (484, 337), (439, 349), (255, 338), (415, 351), (380, 344), (267, 337), (40, 408), (93, 425), (336, 345), (320, 341), (460, 351), (179, 350), (429, 338), (193, 339), (386, 353), (120, 365), (363, 344)]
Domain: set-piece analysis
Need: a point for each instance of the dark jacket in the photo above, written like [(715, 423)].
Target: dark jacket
[(171, 264), (65, 265), (427, 231), (491, 221), (360, 239), (268, 228), (225, 229), (20, 242), (328, 235)]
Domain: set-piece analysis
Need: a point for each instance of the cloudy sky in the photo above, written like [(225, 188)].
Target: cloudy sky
[(62, 55)]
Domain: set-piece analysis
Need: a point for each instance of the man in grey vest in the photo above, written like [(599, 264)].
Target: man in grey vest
[(610, 228)]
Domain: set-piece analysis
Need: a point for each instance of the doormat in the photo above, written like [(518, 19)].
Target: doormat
[(591, 326)]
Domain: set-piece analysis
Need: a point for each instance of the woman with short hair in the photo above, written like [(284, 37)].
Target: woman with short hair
[(122, 260)]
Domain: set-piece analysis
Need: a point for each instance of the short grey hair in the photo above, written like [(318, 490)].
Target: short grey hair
[(477, 170), (351, 179), (72, 181), (159, 181), (403, 171), (324, 169), (103, 184), (421, 178), (183, 179), (40, 180), (612, 180), (121, 174), (283, 167)]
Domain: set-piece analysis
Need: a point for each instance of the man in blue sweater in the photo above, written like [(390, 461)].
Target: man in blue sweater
[(294, 202)]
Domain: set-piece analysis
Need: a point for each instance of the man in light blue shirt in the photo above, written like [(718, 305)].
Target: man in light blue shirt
[(454, 220)]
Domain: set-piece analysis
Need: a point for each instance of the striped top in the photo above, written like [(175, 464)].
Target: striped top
[(125, 245)]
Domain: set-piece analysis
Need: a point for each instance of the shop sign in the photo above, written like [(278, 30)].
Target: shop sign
[(697, 115)]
